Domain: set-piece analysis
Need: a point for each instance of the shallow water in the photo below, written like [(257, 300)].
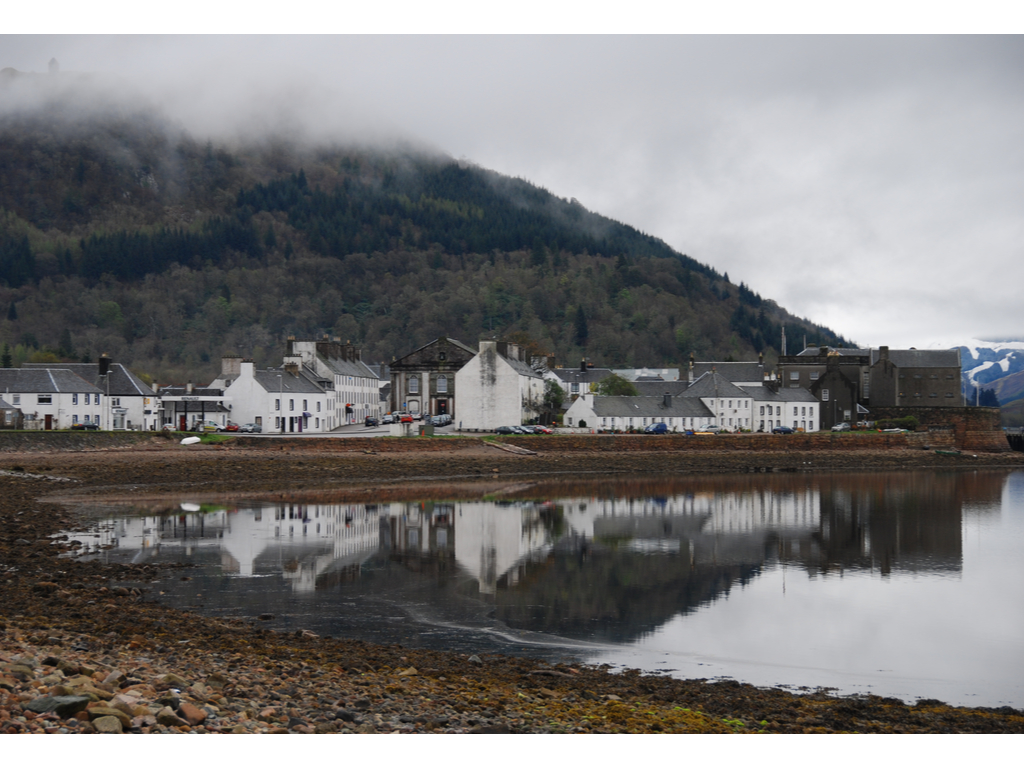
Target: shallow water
[(897, 584)]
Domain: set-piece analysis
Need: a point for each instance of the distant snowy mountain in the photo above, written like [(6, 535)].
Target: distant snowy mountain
[(997, 365)]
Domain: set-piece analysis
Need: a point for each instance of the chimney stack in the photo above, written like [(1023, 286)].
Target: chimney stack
[(668, 400), (104, 362)]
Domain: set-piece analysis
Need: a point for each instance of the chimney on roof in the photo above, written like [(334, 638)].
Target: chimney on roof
[(292, 368), (883, 353), (230, 365), (583, 364), (104, 362), (667, 401), (188, 387)]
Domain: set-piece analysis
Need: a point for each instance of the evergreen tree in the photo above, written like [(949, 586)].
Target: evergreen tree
[(66, 348), (5, 357), (581, 334)]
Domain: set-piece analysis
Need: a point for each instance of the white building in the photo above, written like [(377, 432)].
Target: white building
[(354, 391), (287, 399), (497, 387), (53, 398), (130, 403), (622, 413)]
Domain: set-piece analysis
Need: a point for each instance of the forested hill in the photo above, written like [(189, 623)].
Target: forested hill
[(121, 234)]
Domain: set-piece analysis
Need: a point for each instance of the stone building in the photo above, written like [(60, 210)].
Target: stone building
[(424, 380)]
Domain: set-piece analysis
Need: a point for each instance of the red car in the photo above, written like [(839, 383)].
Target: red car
[(229, 427), (540, 429), (407, 418)]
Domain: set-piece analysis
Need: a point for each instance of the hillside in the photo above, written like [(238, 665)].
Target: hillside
[(122, 234)]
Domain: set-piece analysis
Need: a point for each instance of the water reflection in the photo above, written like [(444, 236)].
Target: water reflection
[(611, 563)]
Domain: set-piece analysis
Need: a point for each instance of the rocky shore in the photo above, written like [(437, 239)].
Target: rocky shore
[(82, 652)]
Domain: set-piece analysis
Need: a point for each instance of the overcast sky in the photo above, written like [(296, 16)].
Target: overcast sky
[(871, 184)]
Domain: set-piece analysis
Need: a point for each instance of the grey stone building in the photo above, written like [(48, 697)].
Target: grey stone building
[(423, 381)]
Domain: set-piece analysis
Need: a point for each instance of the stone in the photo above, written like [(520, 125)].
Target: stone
[(408, 672), (173, 680), (167, 717), (108, 724), (95, 713), (115, 678), (191, 713), (64, 706), (474, 659)]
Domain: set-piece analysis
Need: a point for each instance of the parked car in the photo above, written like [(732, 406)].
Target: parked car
[(388, 419), (89, 426), (659, 428), (712, 428), (229, 427), (782, 429), (504, 431), (205, 426), (371, 422), (252, 428), (406, 418), (540, 429), (842, 426)]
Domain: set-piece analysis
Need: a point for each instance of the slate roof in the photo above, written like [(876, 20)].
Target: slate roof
[(843, 351), (656, 388), (292, 383), (123, 383), (523, 369), (731, 371), (651, 407), (920, 358), (5, 406), (784, 395), (576, 376), (52, 380), (713, 385), (342, 367)]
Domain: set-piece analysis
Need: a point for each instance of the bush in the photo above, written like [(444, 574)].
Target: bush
[(906, 422)]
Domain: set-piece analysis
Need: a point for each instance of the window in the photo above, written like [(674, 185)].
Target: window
[(44, 399), (794, 410), (74, 399), (16, 399), (318, 406), (803, 411), (86, 398), (442, 385), (824, 395), (277, 405), (814, 375), (74, 419), (115, 402), (305, 405), (575, 388), (949, 394), (762, 410), (291, 405), (96, 399), (933, 394), (414, 385), (794, 375), (730, 403)]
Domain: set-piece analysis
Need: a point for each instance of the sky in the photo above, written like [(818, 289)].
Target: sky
[(873, 184)]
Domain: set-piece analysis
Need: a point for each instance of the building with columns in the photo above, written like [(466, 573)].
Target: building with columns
[(424, 380)]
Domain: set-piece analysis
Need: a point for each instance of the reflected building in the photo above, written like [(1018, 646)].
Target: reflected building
[(608, 566)]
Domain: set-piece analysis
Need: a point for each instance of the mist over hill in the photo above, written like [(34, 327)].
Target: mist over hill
[(121, 233)]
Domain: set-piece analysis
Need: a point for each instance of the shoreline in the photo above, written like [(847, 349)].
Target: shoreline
[(249, 679)]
